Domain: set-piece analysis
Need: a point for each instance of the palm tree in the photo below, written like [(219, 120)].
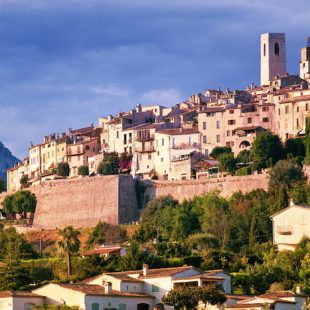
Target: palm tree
[(69, 243)]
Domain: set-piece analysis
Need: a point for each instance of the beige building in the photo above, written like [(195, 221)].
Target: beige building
[(305, 62), (15, 174), (290, 225), (19, 300)]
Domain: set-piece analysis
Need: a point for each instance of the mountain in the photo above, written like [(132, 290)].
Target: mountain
[(7, 160)]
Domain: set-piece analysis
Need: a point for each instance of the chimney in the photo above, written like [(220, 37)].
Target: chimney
[(107, 287), (292, 202), (298, 290), (145, 269)]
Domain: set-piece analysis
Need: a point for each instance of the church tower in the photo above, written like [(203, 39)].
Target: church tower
[(273, 56), (305, 61)]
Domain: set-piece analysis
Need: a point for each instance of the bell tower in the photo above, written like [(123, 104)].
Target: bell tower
[(305, 61), (273, 56)]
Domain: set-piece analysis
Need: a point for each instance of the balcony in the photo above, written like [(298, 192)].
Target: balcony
[(183, 146), (145, 149), (285, 230), (143, 138)]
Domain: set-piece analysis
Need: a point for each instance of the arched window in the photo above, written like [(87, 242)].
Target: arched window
[(87, 148), (122, 307), (276, 49), (264, 50), (94, 306), (28, 306)]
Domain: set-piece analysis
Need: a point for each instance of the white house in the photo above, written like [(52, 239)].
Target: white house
[(290, 225), (19, 300)]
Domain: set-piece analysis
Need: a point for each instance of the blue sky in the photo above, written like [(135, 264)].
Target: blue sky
[(64, 63)]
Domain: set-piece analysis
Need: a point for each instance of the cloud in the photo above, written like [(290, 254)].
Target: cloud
[(166, 97)]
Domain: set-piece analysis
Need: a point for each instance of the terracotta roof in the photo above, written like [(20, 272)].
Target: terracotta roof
[(143, 126), (97, 290), (237, 297), (8, 294), (124, 277), (212, 110), (203, 277), (178, 131), (245, 306), (102, 251), (279, 294)]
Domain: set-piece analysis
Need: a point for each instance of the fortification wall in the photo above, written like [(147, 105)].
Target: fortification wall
[(187, 189)]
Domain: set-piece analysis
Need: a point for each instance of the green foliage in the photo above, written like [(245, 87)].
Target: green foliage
[(295, 147), (220, 150), (14, 247), (14, 277), (109, 165), (83, 171), (266, 150), (2, 186), (245, 157), (70, 243), (227, 162), (175, 249), (106, 233), (20, 202), (243, 171), (63, 170), (188, 297), (24, 181)]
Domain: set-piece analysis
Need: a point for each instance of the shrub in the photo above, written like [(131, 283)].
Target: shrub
[(63, 170), (83, 170)]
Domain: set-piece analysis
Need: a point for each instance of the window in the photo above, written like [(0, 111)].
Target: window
[(297, 109), (204, 125), (276, 49), (155, 288), (122, 307), (94, 306), (249, 120), (231, 111), (265, 109), (162, 141), (117, 135), (265, 119), (228, 133), (230, 143), (279, 111), (264, 51), (162, 159), (286, 109), (297, 122), (27, 306), (149, 157), (218, 124), (307, 106), (218, 138), (206, 152), (231, 122), (204, 139)]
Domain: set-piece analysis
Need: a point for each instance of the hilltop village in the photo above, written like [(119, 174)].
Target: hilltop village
[(175, 143), (202, 205)]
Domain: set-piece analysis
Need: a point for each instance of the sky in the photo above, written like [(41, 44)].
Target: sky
[(64, 63)]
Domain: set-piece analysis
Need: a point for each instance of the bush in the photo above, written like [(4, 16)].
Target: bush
[(220, 150), (63, 170), (109, 165), (243, 171), (83, 170)]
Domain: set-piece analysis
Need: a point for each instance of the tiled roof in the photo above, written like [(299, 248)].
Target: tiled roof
[(289, 207), (212, 110), (97, 290), (296, 99), (245, 306), (279, 294), (102, 251), (123, 277), (7, 294)]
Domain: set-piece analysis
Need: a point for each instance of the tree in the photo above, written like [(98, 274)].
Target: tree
[(109, 165), (220, 150), (83, 170), (2, 186), (106, 233), (23, 202), (266, 150), (70, 243), (300, 193), (24, 181), (7, 203), (63, 170), (245, 156), (227, 162), (188, 297)]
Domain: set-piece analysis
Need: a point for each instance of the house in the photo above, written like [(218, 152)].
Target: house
[(285, 300), (106, 251), (158, 282), (290, 225), (20, 300)]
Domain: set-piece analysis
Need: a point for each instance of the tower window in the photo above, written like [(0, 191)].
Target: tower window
[(264, 50), (276, 49)]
